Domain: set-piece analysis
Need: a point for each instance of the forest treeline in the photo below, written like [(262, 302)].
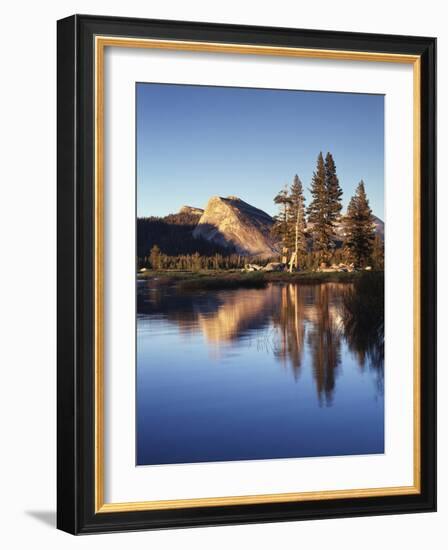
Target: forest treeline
[(307, 234), (173, 236)]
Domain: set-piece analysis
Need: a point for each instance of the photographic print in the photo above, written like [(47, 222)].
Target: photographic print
[(260, 274)]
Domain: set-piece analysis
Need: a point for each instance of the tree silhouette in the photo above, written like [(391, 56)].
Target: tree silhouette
[(334, 191), (318, 210), (155, 257), (359, 227)]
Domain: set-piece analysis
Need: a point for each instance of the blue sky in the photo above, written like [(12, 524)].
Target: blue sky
[(197, 141)]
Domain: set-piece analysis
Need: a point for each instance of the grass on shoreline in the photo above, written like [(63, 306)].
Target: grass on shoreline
[(231, 279), (223, 283)]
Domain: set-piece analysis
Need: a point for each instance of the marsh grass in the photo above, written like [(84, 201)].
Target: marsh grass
[(224, 283)]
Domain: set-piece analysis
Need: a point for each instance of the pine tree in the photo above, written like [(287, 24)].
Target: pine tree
[(318, 208), (359, 227), (196, 261), (280, 227), (155, 257), (296, 219), (334, 191)]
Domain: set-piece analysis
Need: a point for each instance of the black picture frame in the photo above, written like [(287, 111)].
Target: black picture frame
[(76, 263)]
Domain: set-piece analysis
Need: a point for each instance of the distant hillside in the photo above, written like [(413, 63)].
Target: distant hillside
[(173, 234), (339, 230), (191, 210), (379, 226)]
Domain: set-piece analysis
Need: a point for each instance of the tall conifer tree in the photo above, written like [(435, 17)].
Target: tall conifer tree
[(334, 191), (296, 219), (317, 210), (155, 257), (359, 227)]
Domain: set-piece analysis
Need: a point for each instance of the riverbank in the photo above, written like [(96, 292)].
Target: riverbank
[(217, 280)]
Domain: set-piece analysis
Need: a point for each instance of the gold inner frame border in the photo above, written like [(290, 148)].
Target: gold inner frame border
[(101, 42)]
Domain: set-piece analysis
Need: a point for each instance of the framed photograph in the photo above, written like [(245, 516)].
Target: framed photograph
[(246, 274)]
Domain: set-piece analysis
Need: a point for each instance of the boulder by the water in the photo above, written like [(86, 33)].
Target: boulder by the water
[(274, 266), (336, 268), (252, 267)]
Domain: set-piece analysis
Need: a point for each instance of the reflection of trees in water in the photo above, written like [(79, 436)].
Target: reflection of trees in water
[(311, 314), (312, 319), (181, 309), (363, 321), (290, 321), (325, 340), (322, 316)]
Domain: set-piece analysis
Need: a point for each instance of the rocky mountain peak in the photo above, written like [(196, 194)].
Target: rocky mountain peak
[(232, 222)]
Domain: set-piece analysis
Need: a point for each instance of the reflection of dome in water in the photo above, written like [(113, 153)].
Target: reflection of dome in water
[(241, 311)]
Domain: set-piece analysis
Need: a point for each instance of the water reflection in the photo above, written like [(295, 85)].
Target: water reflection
[(325, 341), (284, 371), (363, 316), (289, 321)]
